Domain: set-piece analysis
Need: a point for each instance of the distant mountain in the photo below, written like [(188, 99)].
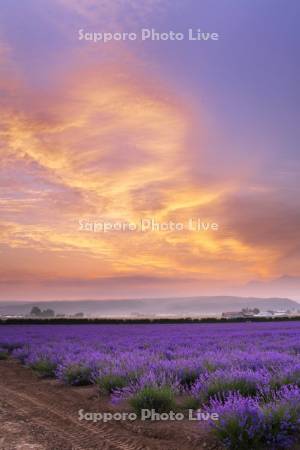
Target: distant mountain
[(203, 305)]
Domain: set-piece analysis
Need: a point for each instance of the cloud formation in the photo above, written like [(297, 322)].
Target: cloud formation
[(108, 140)]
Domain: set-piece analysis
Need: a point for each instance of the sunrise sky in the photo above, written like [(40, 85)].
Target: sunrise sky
[(143, 129)]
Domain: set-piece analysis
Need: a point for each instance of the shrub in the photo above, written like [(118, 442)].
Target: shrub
[(190, 403), (247, 382), (159, 399), (222, 387), (22, 354), (77, 375), (110, 383), (282, 418), (246, 424), (3, 354), (44, 367), (209, 366), (188, 377), (290, 377), (281, 426), (10, 346), (240, 424)]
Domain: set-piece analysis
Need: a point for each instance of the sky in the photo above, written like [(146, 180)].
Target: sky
[(132, 130)]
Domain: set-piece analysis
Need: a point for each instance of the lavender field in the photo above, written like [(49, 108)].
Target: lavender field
[(248, 373)]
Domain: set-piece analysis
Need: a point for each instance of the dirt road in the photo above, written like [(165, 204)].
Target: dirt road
[(43, 415)]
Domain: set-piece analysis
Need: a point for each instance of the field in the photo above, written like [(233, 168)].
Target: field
[(247, 374)]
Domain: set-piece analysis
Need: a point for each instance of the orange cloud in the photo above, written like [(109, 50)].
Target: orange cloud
[(108, 144)]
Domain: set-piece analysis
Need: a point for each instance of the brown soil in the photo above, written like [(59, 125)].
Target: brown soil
[(43, 415)]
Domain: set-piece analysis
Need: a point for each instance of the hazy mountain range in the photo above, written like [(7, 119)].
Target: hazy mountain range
[(203, 305)]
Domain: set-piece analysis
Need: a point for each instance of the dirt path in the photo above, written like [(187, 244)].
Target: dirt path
[(43, 415)]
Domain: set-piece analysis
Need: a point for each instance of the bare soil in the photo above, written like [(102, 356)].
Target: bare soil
[(43, 415)]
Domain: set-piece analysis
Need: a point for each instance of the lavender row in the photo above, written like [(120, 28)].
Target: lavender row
[(248, 373)]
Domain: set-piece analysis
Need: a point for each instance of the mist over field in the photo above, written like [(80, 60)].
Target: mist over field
[(181, 306)]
